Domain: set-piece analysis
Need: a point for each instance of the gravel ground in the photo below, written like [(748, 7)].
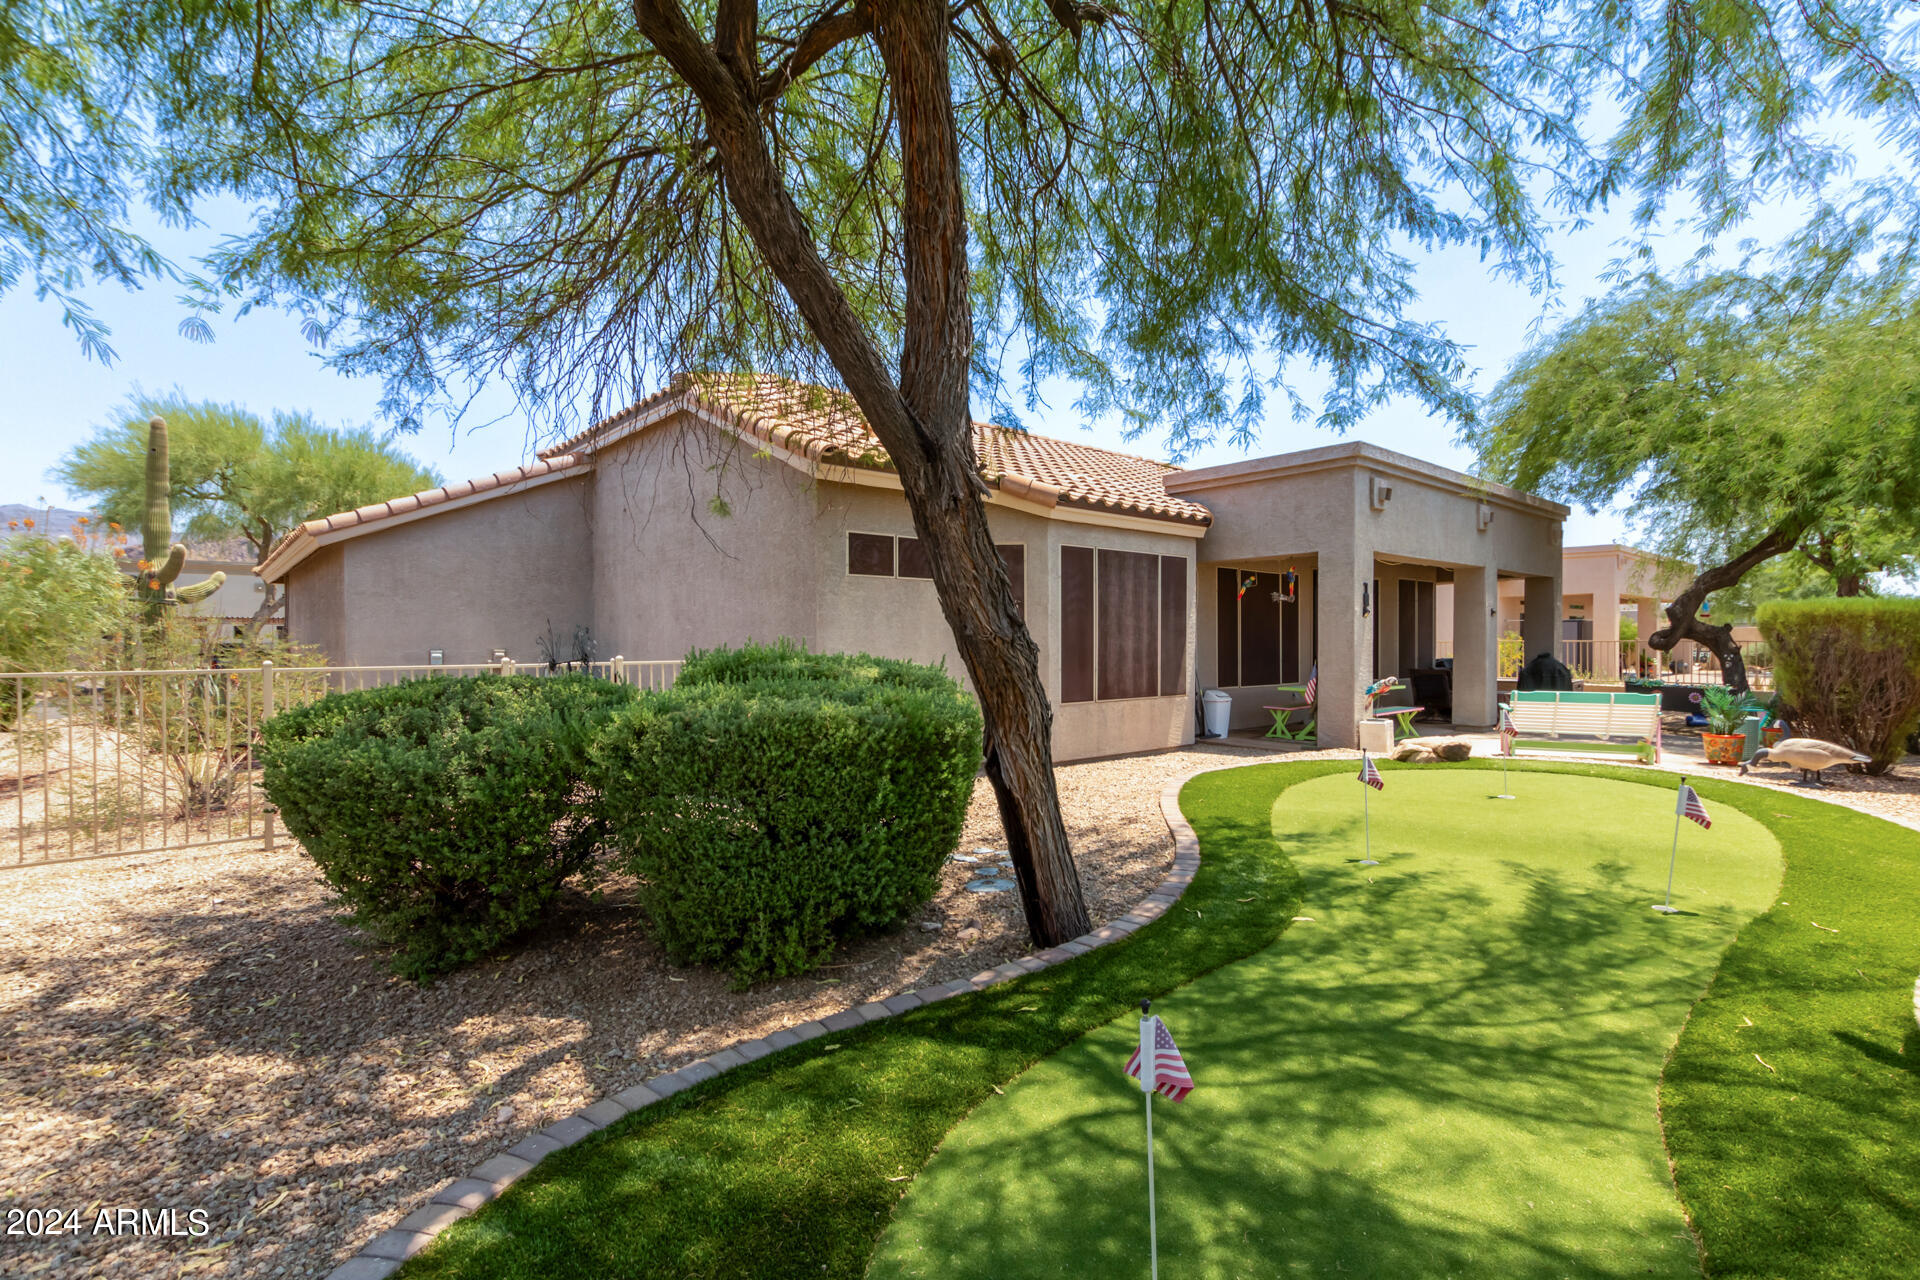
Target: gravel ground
[(201, 1031)]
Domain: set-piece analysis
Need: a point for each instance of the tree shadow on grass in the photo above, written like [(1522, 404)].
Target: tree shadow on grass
[(1430, 1075)]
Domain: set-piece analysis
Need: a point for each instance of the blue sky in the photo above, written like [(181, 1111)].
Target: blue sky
[(57, 395)]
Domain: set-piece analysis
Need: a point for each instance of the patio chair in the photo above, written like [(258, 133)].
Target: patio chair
[(1309, 704)]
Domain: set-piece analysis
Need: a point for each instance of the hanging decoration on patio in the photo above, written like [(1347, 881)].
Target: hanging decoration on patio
[(1246, 585), (1289, 586), (1366, 604)]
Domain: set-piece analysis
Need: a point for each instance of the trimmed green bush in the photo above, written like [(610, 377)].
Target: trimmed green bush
[(785, 660), (1849, 670), (446, 811), (769, 818)]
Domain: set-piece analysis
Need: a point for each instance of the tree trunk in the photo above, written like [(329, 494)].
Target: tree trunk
[(922, 419), (1848, 584), (1683, 622)]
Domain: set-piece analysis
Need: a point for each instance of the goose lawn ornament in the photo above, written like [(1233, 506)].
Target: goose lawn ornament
[(1808, 755)]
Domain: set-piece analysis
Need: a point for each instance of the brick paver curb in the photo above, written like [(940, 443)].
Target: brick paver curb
[(382, 1255)]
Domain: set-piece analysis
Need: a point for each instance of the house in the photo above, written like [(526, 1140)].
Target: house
[(748, 507), (1600, 585)]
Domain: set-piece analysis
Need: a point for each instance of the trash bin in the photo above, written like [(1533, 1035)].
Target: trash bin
[(1216, 710)]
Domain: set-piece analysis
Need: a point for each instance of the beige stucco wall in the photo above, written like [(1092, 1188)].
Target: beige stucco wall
[(1319, 505), (316, 604), (492, 575), (901, 617), (672, 574)]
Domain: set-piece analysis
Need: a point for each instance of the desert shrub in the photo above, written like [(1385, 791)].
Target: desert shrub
[(447, 812), (768, 818), (1849, 671), (785, 660)]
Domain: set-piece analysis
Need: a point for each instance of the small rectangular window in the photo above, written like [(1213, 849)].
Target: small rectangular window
[(913, 559), (870, 554)]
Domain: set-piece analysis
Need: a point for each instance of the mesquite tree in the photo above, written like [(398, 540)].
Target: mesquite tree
[(1743, 416), (933, 204)]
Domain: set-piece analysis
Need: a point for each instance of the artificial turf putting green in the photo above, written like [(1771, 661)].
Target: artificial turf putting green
[(792, 1166), (1451, 1069)]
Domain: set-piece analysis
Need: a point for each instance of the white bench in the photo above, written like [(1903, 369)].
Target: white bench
[(1605, 723)]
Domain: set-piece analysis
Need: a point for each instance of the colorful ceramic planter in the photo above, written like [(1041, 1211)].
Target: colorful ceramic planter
[(1723, 748)]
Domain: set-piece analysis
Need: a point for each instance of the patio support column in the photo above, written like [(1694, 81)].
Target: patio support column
[(1476, 645), (1647, 614), (1346, 643), (1540, 632)]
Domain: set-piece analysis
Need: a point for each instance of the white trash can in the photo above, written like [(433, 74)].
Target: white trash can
[(1216, 711), (1376, 736)]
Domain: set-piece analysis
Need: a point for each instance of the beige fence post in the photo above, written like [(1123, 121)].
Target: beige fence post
[(266, 714)]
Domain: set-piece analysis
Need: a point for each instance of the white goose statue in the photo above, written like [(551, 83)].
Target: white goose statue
[(1808, 755)]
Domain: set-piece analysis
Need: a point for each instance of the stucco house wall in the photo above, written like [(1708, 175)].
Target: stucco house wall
[(495, 575), (696, 542)]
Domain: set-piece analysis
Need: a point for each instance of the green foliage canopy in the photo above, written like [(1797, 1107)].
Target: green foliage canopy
[(234, 475), (1730, 408), (1162, 201), (59, 601)]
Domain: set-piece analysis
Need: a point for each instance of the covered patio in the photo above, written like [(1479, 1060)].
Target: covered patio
[(1336, 557)]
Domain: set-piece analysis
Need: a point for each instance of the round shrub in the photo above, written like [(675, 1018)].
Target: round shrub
[(1849, 671), (447, 811), (766, 819), (784, 660)]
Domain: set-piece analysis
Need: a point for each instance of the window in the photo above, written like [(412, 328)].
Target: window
[(870, 555), (1123, 625), (879, 555)]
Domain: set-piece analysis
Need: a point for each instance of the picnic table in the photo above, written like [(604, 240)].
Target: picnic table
[(1283, 713)]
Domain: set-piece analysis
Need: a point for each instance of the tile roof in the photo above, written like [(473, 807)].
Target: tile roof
[(821, 426), (827, 427), (412, 502)]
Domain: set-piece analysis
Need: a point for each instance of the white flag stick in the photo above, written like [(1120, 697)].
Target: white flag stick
[(1668, 908), (1149, 1075)]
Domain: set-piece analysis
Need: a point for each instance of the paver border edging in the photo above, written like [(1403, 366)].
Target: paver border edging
[(382, 1256)]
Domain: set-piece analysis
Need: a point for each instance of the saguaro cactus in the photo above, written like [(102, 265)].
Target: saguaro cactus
[(161, 563)]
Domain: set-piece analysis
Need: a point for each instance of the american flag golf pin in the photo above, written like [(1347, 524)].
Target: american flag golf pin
[(1685, 805), (1157, 1064)]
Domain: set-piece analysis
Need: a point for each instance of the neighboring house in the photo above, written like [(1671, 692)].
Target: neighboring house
[(1598, 585), (754, 508)]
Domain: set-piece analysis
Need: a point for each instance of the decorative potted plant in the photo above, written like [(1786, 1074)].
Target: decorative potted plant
[(1724, 710)]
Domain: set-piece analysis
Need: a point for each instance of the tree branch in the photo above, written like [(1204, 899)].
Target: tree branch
[(827, 32)]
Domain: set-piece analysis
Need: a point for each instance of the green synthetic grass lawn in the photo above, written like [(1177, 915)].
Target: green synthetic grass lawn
[(788, 1167), (1449, 1070)]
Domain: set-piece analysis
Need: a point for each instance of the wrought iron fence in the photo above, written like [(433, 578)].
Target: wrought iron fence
[(1611, 661), (101, 763)]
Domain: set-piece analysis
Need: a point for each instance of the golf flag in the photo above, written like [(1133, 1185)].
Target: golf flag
[(1166, 1071), (1690, 808), (1507, 733), (1369, 774), (1312, 692)]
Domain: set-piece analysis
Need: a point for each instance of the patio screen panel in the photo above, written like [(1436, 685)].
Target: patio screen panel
[(1076, 624), (1123, 624), (1129, 589), (1173, 626), (1226, 625)]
